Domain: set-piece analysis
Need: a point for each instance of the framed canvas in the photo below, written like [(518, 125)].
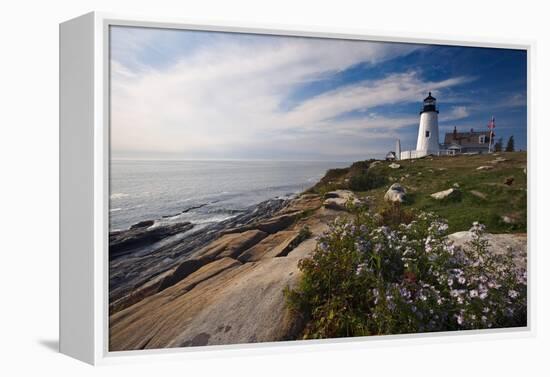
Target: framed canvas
[(234, 189)]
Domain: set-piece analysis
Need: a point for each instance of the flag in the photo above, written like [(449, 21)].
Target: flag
[(492, 124)]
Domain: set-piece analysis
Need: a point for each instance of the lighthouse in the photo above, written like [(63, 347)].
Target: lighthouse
[(428, 129)]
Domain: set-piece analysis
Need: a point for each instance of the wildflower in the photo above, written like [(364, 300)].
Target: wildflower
[(461, 280), (513, 294), (493, 284), (460, 319), (428, 245), (450, 282), (474, 293)]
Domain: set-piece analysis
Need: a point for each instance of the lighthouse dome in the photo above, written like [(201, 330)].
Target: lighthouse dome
[(429, 104)]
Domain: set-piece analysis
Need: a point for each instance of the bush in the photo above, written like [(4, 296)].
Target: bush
[(366, 180), (393, 215), (303, 235), (365, 279)]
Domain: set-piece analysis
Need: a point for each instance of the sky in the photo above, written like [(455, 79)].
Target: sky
[(181, 94)]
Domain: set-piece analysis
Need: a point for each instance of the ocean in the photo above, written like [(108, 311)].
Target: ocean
[(202, 192)]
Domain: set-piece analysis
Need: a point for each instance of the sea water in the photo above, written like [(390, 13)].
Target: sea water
[(202, 191)]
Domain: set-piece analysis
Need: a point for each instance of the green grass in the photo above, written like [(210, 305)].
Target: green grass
[(425, 176)]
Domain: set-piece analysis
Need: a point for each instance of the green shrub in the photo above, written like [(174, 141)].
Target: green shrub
[(303, 235), (365, 279), (393, 215), (366, 180)]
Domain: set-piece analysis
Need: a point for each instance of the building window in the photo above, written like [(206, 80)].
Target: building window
[(482, 139), (427, 133)]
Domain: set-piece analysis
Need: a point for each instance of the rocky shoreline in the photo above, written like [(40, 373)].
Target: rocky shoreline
[(147, 251), (222, 284)]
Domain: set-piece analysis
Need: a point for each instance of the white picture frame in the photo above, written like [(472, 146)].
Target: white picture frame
[(84, 196)]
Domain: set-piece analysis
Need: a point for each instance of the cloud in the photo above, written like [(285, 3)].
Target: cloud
[(456, 113), (514, 100), (223, 99)]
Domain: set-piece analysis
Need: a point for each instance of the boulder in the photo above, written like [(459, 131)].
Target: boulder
[(510, 219), (337, 200), (337, 204), (343, 194), (396, 193), (393, 165), (449, 193), (499, 244), (478, 194), (484, 167), (303, 203), (374, 163)]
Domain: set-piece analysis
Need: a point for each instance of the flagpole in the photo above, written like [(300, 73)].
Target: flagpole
[(491, 127)]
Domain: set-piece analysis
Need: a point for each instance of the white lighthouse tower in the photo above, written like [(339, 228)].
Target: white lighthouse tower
[(428, 130)]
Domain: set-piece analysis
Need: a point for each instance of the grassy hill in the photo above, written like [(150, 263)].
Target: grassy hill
[(496, 197)]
